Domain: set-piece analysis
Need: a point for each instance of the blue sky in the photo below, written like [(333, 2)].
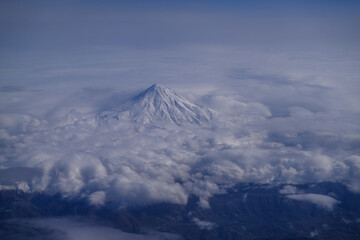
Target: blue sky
[(99, 33), (59, 25)]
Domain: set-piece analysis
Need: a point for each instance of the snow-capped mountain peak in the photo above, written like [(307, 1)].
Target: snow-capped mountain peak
[(158, 103)]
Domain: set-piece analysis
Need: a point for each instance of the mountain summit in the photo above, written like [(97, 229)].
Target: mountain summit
[(158, 103)]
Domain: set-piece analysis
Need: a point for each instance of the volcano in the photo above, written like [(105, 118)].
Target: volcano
[(160, 104)]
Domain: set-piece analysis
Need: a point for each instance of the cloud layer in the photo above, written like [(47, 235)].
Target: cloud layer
[(128, 163), (286, 98), (74, 229)]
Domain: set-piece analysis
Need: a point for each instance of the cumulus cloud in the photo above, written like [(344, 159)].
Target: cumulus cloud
[(23, 186), (97, 198), (204, 224)]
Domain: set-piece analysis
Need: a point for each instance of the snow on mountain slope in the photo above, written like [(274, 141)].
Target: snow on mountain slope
[(158, 103)]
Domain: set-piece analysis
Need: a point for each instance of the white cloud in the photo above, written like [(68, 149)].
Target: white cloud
[(278, 120), (72, 229), (322, 201), (136, 165), (352, 165), (288, 189), (23, 186), (314, 233), (97, 198), (204, 224)]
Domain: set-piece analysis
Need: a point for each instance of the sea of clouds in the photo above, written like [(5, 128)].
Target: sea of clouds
[(268, 127), (75, 228)]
